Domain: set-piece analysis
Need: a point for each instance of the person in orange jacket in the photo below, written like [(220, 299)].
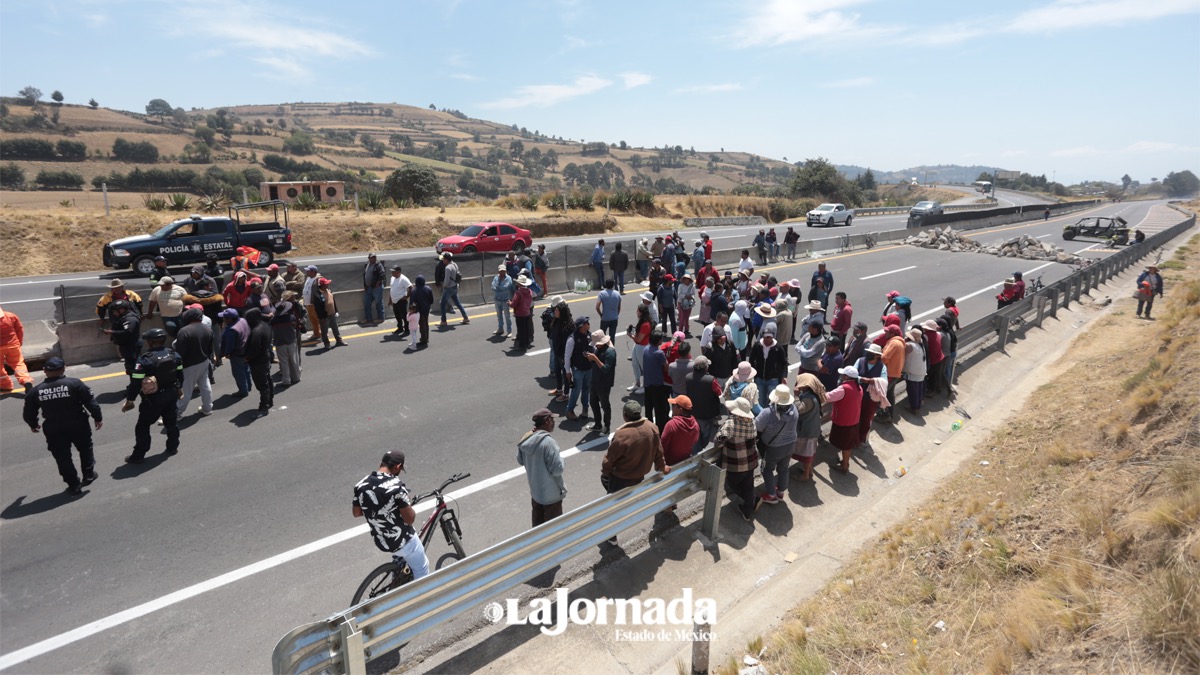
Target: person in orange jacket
[(12, 336)]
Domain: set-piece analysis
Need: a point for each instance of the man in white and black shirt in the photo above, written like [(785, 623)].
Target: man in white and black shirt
[(386, 503)]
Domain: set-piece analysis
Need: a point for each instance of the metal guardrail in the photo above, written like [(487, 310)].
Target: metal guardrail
[(344, 642)]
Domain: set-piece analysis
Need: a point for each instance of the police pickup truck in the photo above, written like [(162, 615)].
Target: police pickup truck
[(190, 240)]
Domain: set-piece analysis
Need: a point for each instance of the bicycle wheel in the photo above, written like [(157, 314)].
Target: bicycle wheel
[(382, 579), (455, 542)]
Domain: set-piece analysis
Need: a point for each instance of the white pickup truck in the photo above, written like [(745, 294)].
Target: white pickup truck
[(830, 214)]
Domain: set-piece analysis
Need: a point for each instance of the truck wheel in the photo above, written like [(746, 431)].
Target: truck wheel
[(1068, 234), (265, 258), (143, 265), (808, 223)]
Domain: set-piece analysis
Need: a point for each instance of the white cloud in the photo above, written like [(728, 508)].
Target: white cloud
[(545, 95), (708, 88), (1157, 147), (778, 22), (284, 47), (1079, 151), (635, 79), (1068, 14), (852, 82)]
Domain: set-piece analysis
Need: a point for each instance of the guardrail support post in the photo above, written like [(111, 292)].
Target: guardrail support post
[(1053, 293), (1040, 301), (700, 644), (353, 651), (712, 478), (1002, 331)]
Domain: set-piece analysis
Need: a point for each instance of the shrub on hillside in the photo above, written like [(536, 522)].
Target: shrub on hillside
[(27, 149), (12, 177), (59, 180), (558, 226), (143, 152), (71, 151)]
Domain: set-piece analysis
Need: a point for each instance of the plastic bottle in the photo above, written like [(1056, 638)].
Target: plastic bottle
[(902, 470), (958, 424)]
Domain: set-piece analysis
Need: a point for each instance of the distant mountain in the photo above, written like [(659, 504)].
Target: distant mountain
[(942, 173)]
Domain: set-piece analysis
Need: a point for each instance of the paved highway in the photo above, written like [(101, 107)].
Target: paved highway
[(200, 562)]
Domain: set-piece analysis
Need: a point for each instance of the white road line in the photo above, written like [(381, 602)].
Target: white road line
[(49, 281), (1086, 248), (884, 274), (17, 302), (58, 641), (538, 352), (1043, 236)]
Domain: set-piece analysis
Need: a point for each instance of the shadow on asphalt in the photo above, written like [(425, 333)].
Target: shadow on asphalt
[(20, 508), (125, 471), (246, 418)]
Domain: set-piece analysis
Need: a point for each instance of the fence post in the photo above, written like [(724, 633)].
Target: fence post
[(712, 479), (353, 651), (1040, 301), (1053, 293), (700, 644), (1002, 331)]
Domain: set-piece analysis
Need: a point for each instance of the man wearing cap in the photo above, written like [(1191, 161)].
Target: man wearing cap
[(760, 245), (274, 285), (422, 299), (815, 313), (65, 403), (160, 269), (327, 312), (642, 256), (450, 289), (679, 368), (698, 257), (194, 344), (522, 308), (1155, 281), (656, 248), (233, 347), (125, 332), (285, 335), (169, 297), (117, 291), (258, 359), (397, 298), (384, 500), (578, 366), (858, 342), (823, 274), (502, 293), (635, 448), (654, 377), (654, 278), (158, 378), (212, 267), (811, 347), (293, 278), (597, 261), (770, 358), (538, 452), (372, 276), (704, 394), (608, 306), (841, 316), (310, 297), (604, 368), (665, 296), (681, 433)]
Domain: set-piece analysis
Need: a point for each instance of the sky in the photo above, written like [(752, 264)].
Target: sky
[(1073, 89)]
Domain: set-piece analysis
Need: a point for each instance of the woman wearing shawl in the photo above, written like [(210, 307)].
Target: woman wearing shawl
[(810, 396)]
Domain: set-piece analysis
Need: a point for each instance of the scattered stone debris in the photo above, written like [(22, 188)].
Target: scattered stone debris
[(1024, 246)]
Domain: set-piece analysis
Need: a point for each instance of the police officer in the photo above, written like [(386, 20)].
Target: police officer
[(159, 398), (65, 402), (125, 332), (160, 269)]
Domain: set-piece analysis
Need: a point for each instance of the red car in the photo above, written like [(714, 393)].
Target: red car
[(491, 237)]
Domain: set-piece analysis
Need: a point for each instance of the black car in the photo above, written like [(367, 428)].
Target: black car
[(1099, 227)]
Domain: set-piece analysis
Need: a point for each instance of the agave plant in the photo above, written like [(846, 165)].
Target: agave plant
[(306, 201), (373, 200), (214, 202), (179, 201), (154, 202)]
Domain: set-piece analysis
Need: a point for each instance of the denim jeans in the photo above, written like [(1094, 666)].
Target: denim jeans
[(503, 316), (610, 327), (373, 298), (708, 428), (241, 374), (775, 463), (791, 251), (599, 267), (765, 387), (413, 553), (643, 268), (620, 280), (581, 388), (450, 295)]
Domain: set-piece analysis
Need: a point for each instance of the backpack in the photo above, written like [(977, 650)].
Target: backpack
[(547, 319)]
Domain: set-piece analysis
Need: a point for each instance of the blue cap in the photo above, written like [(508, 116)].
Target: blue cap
[(54, 363), (582, 320)]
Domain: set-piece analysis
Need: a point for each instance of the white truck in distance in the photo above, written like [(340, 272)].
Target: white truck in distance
[(830, 214)]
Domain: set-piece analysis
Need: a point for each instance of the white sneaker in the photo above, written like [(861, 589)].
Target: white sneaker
[(631, 387), (639, 390)]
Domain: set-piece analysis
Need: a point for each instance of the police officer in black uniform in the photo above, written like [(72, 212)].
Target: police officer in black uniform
[(166, 367), (125, 332), (65, 402)]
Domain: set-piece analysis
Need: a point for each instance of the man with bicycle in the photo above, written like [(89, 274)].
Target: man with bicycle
[(386, 503)]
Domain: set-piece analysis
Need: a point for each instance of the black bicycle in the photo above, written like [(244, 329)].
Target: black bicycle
[(1036, 285), (392, 575)]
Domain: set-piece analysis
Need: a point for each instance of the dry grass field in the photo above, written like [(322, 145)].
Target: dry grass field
[(1076, 549)]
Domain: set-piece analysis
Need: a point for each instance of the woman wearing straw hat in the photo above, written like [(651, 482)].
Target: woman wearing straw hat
[(685, 300), (915, 369), (741, 385), (847, 406), (873, 376), (739, 456), (776, 426)]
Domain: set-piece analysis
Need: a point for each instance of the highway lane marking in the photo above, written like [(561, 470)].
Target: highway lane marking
[(1043, 236), (1086, 248), (17, 302), (884, 274), (538, 352), (87, 630)]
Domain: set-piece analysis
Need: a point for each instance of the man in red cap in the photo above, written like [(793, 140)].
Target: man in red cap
[(682, 431)]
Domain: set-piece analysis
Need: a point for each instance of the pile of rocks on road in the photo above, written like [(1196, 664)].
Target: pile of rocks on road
[(1024, 246)]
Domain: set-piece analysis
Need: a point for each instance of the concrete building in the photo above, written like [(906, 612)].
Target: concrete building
[(290, 191)]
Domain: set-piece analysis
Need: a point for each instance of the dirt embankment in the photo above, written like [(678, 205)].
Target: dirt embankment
[(1072, 543)]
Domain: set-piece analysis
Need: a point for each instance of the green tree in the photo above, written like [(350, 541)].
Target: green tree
[(57, 97), (93, 104), (31, 94), (1125, 182), (299, 143), (417, 184), (818, 178), (159, 108), (516, 149), (11, 176), (206, 134), (866, 180), (142, 151), (1181, 184)]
